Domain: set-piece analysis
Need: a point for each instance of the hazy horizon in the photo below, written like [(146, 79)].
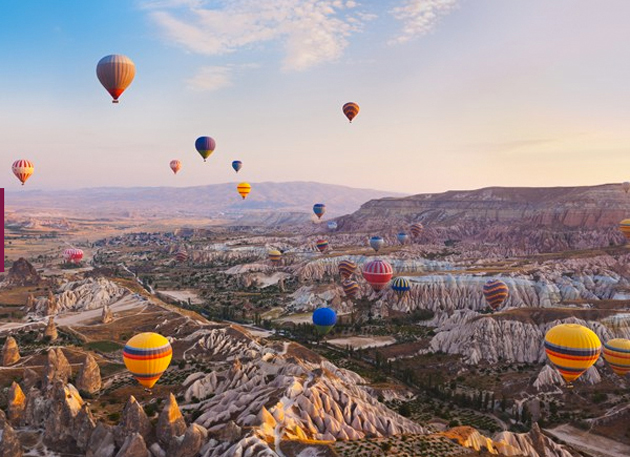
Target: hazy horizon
[(453, 94)]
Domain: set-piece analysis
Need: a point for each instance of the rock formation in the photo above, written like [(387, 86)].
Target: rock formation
[(190, 444), (107, 316), (56, 367), (133, 446), (51, 330), (16, 404), (87, 294), (171, 423), (65, 421), (30, 378), (30, 303), (22, 273), (10, 352), (133, 420), (9, 443), (89, 376), (101, 442)]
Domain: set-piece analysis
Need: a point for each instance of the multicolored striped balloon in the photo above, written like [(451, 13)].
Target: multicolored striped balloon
[(617, 354), (175, 165), (416, 229), (377, 242), (115, 72), (181, 255), (205, 146), (378, 273), (401, 286), (274, 256), (319, 209), (350, 110), (624, 226), (347, 268), (350, 288), (244, 189), (23, 169), (147, 356), (322, 245), (572, 349), (496, 292)]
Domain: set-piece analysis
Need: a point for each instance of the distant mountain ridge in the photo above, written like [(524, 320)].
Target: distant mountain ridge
[(215, 200)]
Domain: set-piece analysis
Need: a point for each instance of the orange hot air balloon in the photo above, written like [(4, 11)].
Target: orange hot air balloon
[(244, 189), (115, 72), (176, 165), (23, 169), (350, 110)]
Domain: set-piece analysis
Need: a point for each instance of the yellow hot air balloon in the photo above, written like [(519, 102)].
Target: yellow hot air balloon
[(624, 227), (244, 189), (572, 349), (275, 256), (617, 354), (147, 356)]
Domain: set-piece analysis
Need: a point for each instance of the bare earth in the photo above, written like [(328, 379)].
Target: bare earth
[(595, 445), (358, 342)]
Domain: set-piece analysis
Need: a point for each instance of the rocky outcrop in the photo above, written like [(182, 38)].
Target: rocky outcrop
[(10, 352), (89, 376), (230, 433), (101, 442), (30, 378), (22, 273), (134, 446), (16, 404), (107, 316), (532, 444), (190, 444), (62, 415), (171, 423), (50, 333), (56, 367), (9, 443), (133, 421)]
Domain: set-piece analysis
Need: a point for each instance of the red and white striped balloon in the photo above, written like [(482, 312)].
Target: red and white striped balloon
[(73, 255), (23, 169), (378, 273)]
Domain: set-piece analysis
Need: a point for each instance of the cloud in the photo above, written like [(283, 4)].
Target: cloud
[(310, 31), (210, 79), (420, 17)]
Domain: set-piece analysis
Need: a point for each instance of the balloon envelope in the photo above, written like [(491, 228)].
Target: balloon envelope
[(324, 320), (495, 292), (244, 189), (115, 72), (147, 356), (175, 165), (626, 187), (181, 255), (572, 349), (23, 169), (350, 288), (416, 229), (347, 268), (322, 245), (332, 225), (401, 286), (350, 110), (205, 146), (624, 226), (274, 256), (377, 243), (319, 209), (378, 273), (73, 255), (402, 237), (237, 165), (617, 354)]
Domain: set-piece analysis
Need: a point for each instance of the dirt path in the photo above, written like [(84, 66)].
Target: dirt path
[(595, 445)]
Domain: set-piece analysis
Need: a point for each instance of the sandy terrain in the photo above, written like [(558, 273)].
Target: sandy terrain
[(183, 295), (595, 445), (363, 341)]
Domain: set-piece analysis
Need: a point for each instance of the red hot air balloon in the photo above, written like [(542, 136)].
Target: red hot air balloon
[(72, 255), (175, 165), (22, 169), (378, 273), (115, 72)]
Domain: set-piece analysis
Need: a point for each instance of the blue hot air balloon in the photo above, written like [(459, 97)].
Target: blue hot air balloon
[(237, 165), (332, 225), (402, 237), (324, 320), (319, 209), (377, 243)]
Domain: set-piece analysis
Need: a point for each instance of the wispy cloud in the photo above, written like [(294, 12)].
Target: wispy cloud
[(420, 17), (310, 31), (211, 78)]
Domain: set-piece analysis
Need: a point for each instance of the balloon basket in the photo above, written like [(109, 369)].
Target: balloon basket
[(114, 101)]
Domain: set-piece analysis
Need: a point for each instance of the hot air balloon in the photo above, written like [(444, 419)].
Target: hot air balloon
[(617, 354), (624, 226), (181, 255), (402, 237), (205, 146), (324, 320), (416, 229), (23, 169), (347, 268), (72, 255), (496, 292), (319, 209), (626, 186), (401, 286), (332, 225), (275, 256), (322, 245), (244, 189), (350, 110), (377, 243), (147, 356), (115, 72), (176, 165), (572, 349), (237, 165), (378, 273), (350, 288)]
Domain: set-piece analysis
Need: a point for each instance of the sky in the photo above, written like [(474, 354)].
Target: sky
[(454, 94)]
